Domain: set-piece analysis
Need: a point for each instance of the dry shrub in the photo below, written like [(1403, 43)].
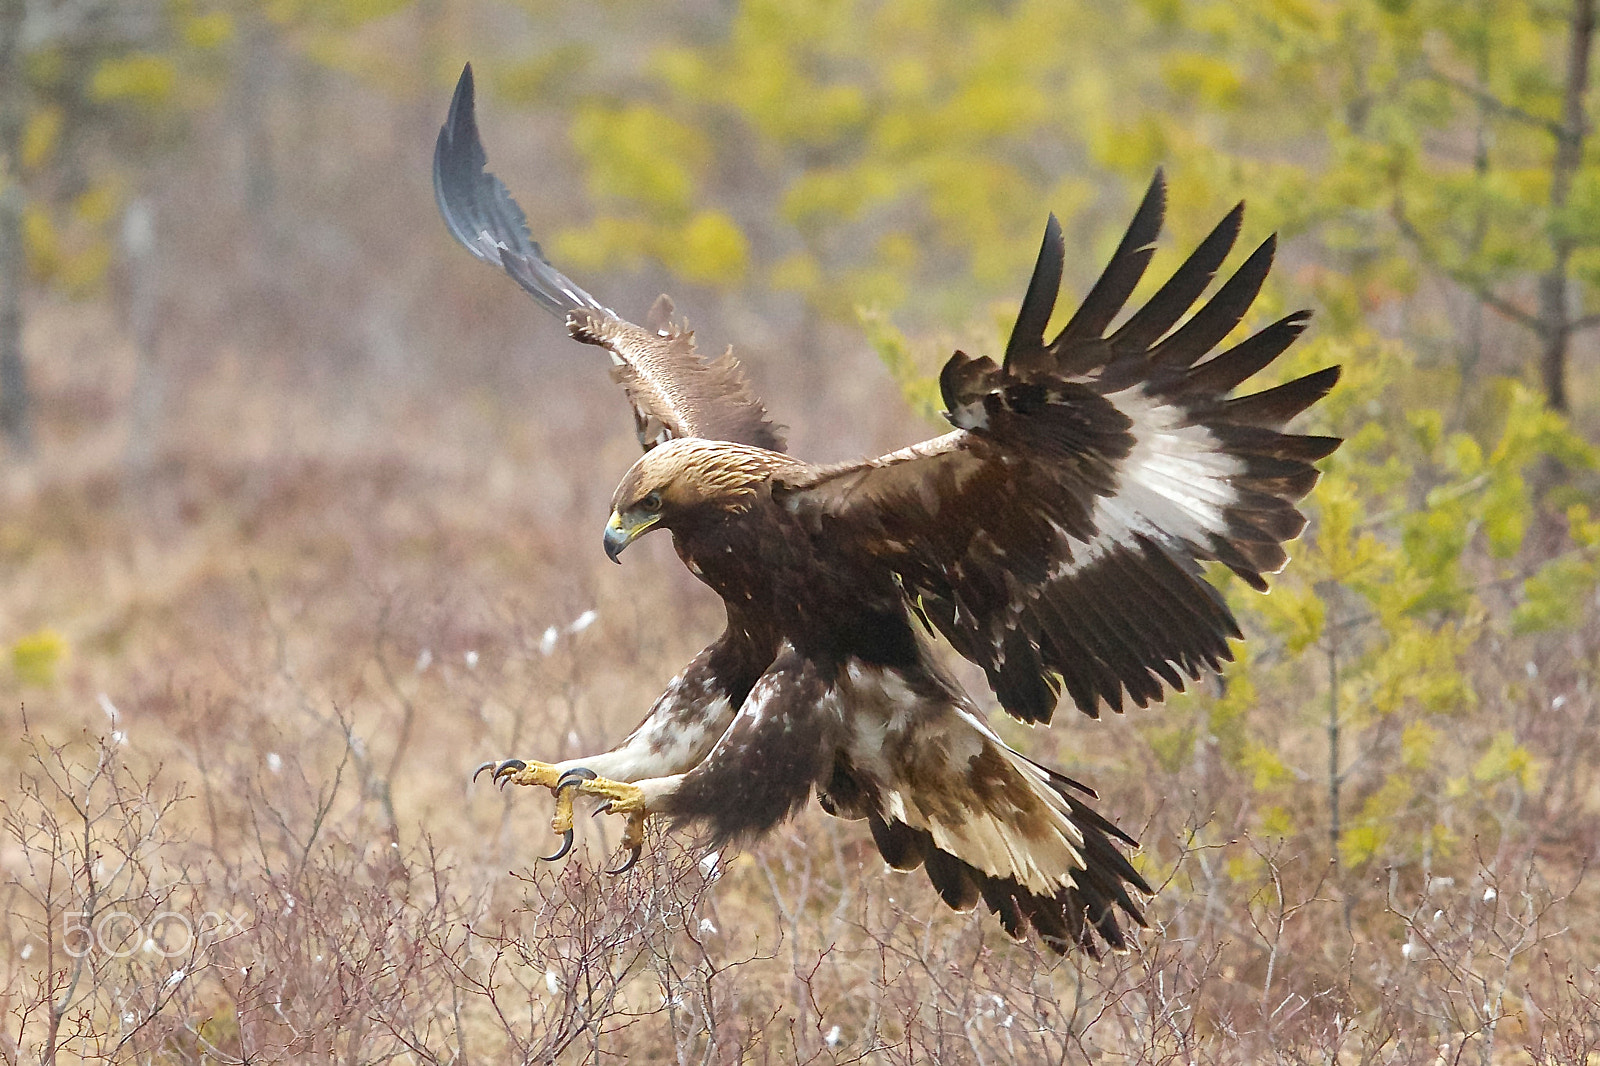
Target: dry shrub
[(321, 940)]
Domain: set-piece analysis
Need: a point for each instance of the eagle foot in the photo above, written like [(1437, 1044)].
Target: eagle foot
[(521, 772), (619, 797)]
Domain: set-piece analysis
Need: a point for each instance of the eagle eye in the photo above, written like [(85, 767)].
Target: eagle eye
[(651, 502)]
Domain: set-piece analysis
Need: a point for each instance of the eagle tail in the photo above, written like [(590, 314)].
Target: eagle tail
[(483, 217), (1088, 913), (941, 791)]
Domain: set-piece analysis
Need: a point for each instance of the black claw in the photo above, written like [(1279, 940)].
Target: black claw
[(632, 858), (573, 777), (561, 852), (501, 769)]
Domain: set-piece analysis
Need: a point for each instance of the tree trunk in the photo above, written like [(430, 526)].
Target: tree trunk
[(1555, 312), (15, 407), (144, 405)]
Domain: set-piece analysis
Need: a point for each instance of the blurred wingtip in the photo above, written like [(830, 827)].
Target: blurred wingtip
[(461, 124)]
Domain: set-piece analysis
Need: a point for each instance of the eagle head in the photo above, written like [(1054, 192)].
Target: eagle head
[(686, 481)]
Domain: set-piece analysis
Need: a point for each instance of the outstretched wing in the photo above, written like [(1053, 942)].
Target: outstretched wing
[(1055, 537), (675, 392)]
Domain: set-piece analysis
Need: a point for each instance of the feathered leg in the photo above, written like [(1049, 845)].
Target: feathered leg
[(682, 727), (760, 771)]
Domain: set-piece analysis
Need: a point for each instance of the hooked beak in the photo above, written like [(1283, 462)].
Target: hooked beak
[(621, 532)]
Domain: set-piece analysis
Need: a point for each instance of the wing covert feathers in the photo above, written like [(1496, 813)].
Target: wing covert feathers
[(1056, 537), (675, 392)]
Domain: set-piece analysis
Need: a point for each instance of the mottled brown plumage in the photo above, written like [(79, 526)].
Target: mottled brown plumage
[(1054, 538)]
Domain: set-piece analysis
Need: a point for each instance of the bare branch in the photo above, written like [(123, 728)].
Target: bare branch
[(1473, 284), (1490, 102)]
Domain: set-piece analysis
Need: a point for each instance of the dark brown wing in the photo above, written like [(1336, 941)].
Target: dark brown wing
[(1055, 537), (674, 391)]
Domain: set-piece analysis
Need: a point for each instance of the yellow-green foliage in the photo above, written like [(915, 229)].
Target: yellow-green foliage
[(1417, 531), (909, 372), (711, 249), (639, 154), (100, 96), (36, 658), (205, 29), (39, 137), (1506, 760), (146, 79), (894, 140)]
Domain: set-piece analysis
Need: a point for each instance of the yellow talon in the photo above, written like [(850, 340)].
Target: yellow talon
[(633, 835), (561, 822), (633, 840), (543, 775), (619, 797), (518, 772)]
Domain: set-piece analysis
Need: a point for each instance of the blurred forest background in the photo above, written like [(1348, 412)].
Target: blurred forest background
[(300, 513)]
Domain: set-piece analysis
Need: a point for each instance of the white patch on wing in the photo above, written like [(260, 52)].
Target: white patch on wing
[(1175, 484), (919, 753)]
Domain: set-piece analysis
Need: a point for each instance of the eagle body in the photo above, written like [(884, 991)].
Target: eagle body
[(783, 582), (1055, 537)]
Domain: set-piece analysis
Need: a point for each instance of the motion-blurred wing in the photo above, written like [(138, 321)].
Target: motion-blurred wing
[(675, 392), (1055, 537)]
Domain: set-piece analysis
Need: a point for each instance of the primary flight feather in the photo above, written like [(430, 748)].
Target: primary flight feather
[(1054, 538)]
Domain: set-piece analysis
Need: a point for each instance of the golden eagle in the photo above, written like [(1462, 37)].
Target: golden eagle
[(1054, 538)]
